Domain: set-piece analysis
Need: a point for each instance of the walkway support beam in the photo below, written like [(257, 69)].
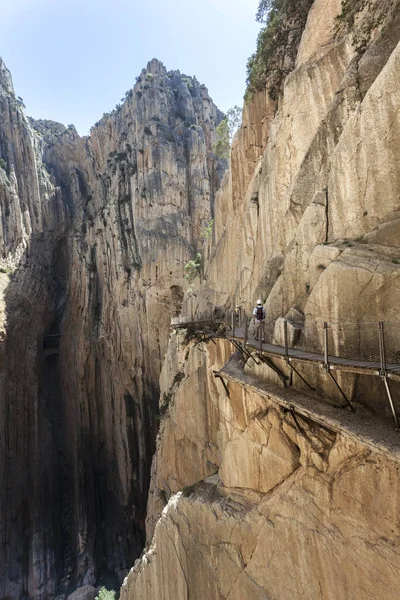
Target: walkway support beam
[(219, 376), (292, 368), (383, 371), (341, 391), (389, 393)]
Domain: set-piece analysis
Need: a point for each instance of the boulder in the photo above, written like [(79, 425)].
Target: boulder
[(86, 592), (293, 330)]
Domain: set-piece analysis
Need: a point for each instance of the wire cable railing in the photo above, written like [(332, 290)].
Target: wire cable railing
[(370, 346)]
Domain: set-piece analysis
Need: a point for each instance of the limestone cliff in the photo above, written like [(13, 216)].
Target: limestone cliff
[(308, 215), (95, 234), (259, 492), (271, 494)]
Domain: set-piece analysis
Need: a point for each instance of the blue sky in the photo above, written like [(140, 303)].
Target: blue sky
[(73, 60)]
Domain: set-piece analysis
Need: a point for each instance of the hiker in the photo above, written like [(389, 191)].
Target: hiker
[(258, 319), (237, 314)]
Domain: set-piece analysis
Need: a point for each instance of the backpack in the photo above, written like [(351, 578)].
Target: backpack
[(260, 313)]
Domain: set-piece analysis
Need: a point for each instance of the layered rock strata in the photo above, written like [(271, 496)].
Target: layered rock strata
[(96, 232)]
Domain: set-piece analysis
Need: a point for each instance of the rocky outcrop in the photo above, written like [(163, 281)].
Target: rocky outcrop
[(96, 232), (287, 503)]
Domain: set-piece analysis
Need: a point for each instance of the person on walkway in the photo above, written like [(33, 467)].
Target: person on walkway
[(237, 314), (258, 319)]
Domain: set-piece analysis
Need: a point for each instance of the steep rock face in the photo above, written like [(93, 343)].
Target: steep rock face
[(314, 184), (98, 240), (294, 510), (33, 223), (29, 202), (252, 494)]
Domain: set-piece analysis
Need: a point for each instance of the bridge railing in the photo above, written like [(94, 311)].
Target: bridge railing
[(361, 340), (366, 345), (364, 341)]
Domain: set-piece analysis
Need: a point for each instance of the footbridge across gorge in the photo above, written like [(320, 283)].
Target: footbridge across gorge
[(367, 348)]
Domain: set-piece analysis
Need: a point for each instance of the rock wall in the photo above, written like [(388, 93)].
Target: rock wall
[(252, 495), (307, 216), (95, 233)]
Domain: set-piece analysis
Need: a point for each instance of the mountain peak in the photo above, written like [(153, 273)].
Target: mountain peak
[(5, 78)]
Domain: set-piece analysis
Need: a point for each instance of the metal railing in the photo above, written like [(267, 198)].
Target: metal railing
[(373, 345), (373, 341)]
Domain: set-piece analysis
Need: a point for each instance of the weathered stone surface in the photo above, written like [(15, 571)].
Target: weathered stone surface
[(101, 228), (318, 32), (293, 332)]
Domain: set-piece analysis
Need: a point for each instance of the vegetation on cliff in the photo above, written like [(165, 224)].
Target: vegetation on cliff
[(226, 131), (277, 44)]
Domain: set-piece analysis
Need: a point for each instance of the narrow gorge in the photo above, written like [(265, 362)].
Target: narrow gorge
[(95, 235), (117, 439)]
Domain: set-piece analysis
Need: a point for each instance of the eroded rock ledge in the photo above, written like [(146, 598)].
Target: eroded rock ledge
[(294, 510)]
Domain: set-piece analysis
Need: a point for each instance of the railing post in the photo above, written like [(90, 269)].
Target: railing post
[(285, 334), (383, 372), (382, 353), (246, 329), (233, 322), (326, 360)]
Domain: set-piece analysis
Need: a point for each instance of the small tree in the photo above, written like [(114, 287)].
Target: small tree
[(234, 116), (207, 231), (222, 146), (193, 268), (226, 130)]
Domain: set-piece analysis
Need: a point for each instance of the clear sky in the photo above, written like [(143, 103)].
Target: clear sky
[(73, 60)]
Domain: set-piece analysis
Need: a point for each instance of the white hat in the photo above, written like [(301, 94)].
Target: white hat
[(259, 301)]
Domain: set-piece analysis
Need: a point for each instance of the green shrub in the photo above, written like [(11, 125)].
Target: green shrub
[(193, 268), (277, 44), (225, 132), (350, 8), (105, 594), (222, 147), (207, 231), (188, 82)]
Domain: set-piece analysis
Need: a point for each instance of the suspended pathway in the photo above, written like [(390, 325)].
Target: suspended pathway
[(366, 348)]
